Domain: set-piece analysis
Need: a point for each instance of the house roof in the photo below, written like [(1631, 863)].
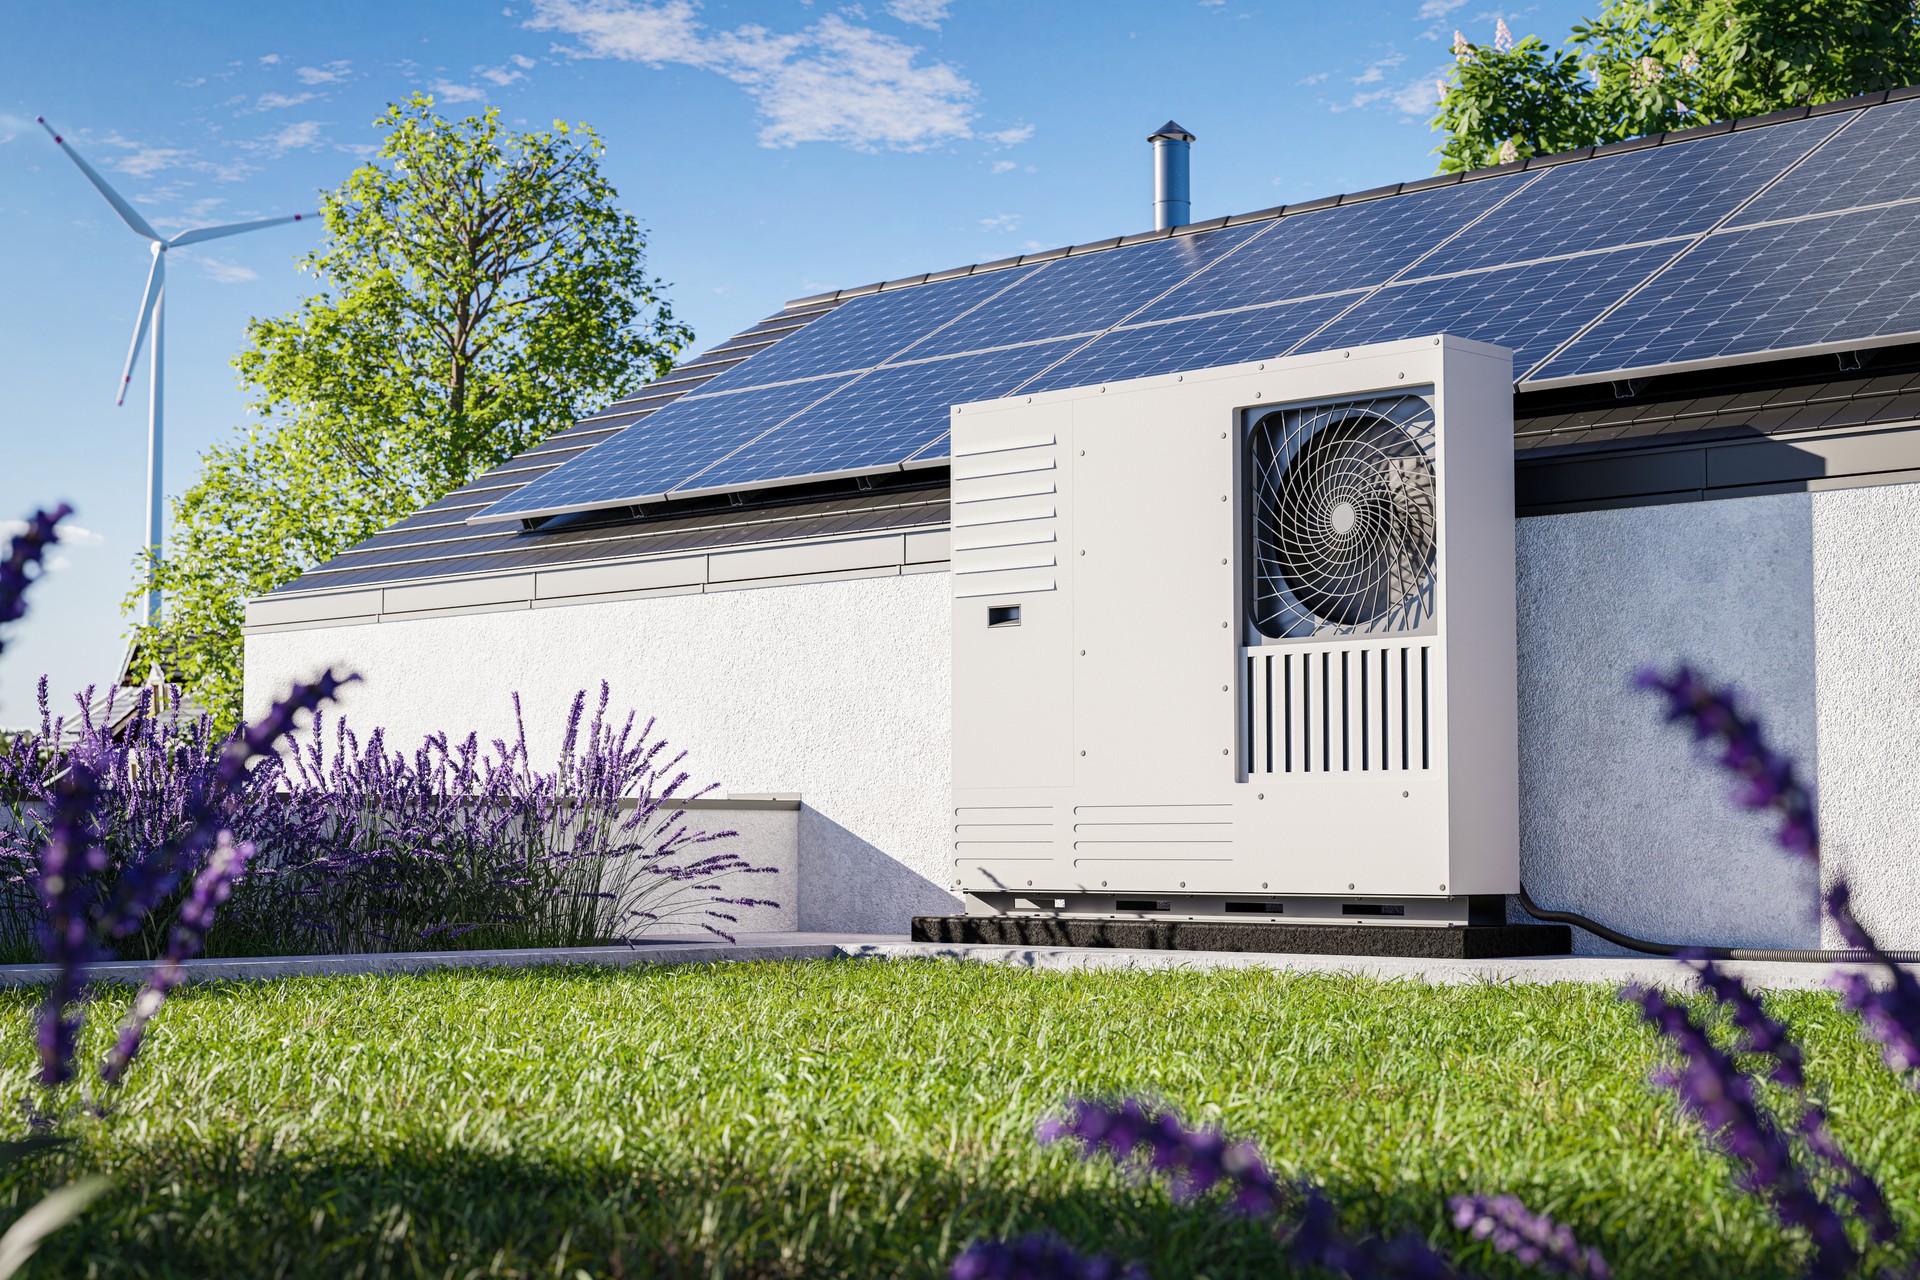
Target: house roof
[(440, 540)]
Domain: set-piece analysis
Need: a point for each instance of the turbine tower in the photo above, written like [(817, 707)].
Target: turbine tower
[(153, 315)]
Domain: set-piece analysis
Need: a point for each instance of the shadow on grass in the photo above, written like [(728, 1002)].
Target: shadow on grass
[(232, 1209)]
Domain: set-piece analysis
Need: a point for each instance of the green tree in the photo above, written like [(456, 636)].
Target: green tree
[(480, 289), (1646, 66)]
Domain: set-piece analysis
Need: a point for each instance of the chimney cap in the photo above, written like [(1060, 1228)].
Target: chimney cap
[(1170, 130)]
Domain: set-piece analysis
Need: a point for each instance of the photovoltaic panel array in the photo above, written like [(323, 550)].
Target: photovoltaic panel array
[(1630, 259)]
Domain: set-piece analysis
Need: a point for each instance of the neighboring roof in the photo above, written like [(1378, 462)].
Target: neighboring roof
[(438, 541)]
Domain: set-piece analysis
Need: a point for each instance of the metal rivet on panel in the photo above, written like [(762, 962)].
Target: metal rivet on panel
[(1346, 355), (1226, 751), (1103, 884), (1263, 884), (1349, 886), (1223, 560), (1223, 626), (1029, 401), (1083, 552), (1223, 435), (1183, 884), (1083, 753), (1083, 653), (1179, 377), (1223, 688), (1083, 453), (1262, 366), (1029, 884), (1256, 395), (1223, 497), (1443, 888), (1405, 794)]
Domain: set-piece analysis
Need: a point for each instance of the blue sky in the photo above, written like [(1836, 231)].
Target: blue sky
[(773, 149)]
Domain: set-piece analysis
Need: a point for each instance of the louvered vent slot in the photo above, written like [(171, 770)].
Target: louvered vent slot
[(1366, 709), (1005, 518)]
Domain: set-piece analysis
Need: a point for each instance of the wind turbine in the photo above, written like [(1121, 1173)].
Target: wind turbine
[(152, 315)]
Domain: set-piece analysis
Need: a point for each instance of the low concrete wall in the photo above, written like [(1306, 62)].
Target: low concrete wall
[(835, 690), (838, 690)]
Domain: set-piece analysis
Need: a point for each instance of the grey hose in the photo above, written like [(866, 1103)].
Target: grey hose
[(1645, 947)]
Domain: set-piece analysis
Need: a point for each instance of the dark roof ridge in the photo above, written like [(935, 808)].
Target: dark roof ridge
[(1377, 193)]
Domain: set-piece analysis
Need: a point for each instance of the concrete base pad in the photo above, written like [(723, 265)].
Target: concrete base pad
[(1468, 942)]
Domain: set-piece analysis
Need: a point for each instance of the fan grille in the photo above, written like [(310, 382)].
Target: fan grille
[(1344, 528)]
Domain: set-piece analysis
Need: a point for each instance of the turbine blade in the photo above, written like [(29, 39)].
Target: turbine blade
[(156, 279), (232, 229), (126, 211)]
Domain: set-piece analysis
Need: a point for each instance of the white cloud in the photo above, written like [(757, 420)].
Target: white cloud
[(144, 162), (834, 81), (522, 61), (1433, 10), (294, 137), (501, 76), (331, 73), (447, 91), (227, 272), (1010, 137), (275, 101), (1377, 71), (71, 534), (1004, 166), (1001, 222), (12, 126), (926, 13), (55, 563), (273, 59), (1416, 97)]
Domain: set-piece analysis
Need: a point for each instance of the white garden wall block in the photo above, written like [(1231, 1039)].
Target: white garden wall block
[(834, 690)]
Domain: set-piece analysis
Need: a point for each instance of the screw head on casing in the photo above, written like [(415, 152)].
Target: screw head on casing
[(1349, 886)]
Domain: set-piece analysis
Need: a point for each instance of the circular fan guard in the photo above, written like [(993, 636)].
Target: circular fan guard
[(1343, 517)]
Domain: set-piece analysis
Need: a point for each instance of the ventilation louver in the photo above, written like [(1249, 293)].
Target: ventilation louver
[(1343, 518)]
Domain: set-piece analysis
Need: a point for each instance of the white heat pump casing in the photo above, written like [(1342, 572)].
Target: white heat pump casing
[(1111, 735)]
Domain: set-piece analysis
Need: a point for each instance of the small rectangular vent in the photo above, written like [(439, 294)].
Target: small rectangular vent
[(1140, 904), (1363, 709), (1256, 908)]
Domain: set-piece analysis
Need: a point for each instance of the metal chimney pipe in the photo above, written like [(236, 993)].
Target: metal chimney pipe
[(1172, 198)]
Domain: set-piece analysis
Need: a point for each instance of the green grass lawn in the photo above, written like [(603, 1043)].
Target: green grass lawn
[(868, 1118)]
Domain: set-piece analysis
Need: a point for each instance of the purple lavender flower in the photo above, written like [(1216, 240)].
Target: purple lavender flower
[(23, 555), (1718, 1094), (1318, 1241), (1533, 1238), (1768, 778), (1039, 1256), (1196, 1160), (210, 889), (70, 853), (1890, 1016), (1760, 1032)]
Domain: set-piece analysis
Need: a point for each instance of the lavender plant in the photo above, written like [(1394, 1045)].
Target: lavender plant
[(455, 846)]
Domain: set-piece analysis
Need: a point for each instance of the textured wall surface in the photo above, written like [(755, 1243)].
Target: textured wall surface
[(767, 838), (1866, 560), (838, 690), (835, 690), (1619, 819)]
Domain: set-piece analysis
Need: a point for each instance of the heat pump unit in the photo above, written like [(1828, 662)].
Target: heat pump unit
[(1240, 641)]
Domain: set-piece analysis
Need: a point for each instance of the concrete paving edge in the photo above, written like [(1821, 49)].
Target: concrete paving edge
[(1538, 970)]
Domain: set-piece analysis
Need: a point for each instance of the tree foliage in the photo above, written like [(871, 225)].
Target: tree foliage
[(1648, 66), (480, 289)]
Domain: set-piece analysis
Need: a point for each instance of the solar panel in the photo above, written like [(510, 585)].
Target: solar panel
[(1851, 277), (1874, 160), (1085, 294), (880, 420), (1531, 309), (866, 331), (660, 451), (1346, 247), (1658, 193), (1237, 336)]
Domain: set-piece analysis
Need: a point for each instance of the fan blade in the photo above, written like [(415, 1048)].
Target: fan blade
[(126, 211), (156, 280), (232, 229)]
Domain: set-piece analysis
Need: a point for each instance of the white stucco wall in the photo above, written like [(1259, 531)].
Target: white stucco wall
[(838, 691), (1866, 571), (835, 690), (1619, 819)]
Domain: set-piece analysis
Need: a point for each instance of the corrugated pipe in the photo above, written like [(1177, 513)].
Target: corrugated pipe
[(1645, 947)]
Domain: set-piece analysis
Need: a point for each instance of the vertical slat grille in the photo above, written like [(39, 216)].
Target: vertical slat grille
[(1363, 709)]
